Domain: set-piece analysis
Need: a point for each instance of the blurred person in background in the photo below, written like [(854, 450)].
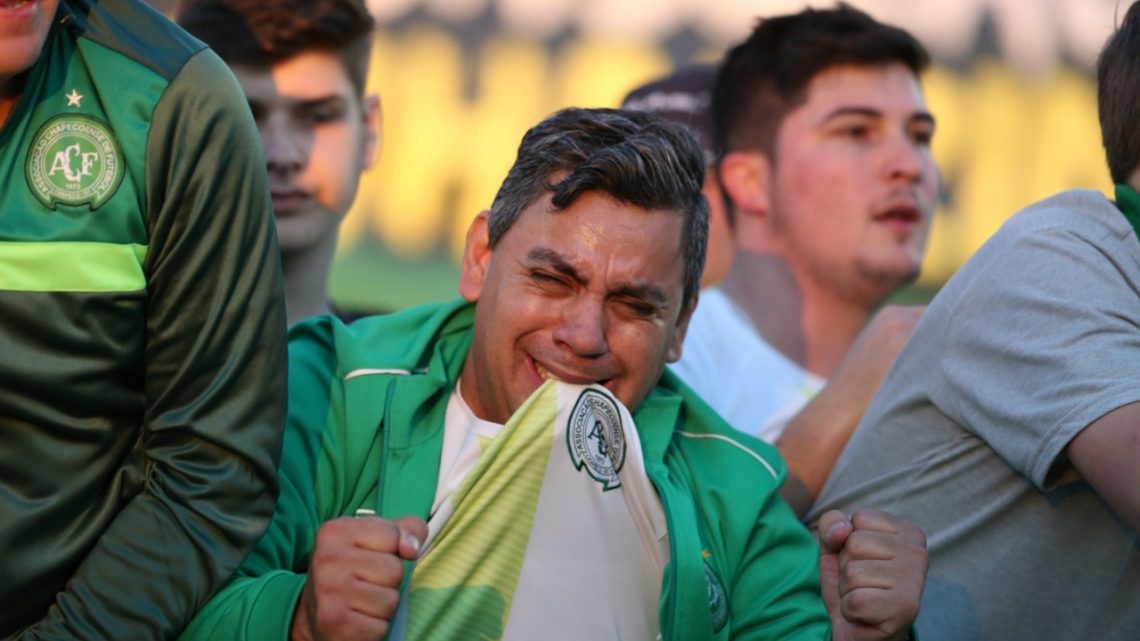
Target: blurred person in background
[(825, 163), (302, 65)]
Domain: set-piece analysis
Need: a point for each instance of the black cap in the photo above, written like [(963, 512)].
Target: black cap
[(685, 97)]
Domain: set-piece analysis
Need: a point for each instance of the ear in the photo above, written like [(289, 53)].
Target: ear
[(673, 353), (373, 134), (476, 258), (745, 176)]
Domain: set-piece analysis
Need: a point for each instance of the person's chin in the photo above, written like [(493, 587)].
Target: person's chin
[(296, 233)]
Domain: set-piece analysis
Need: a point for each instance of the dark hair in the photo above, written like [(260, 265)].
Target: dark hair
[(1118, 96), (766, 76), (636, 158), (264, 32)]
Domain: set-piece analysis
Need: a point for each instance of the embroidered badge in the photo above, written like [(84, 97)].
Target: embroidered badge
[(718, 602), (595, 438), (74, 160)]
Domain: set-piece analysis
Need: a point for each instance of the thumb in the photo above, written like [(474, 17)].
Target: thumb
[(833, 529), (413, 533)]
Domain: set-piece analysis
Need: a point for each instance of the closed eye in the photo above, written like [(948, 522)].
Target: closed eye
[(642, 310), (547, 280)]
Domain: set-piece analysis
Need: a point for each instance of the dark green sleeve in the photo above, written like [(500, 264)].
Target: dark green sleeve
[(258, 603), (214, 368)]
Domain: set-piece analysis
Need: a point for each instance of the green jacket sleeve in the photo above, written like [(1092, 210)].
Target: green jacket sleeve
[(775, 595), (214, 375), (258, 602)]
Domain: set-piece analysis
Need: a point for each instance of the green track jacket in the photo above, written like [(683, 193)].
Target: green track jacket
[(365, 431)]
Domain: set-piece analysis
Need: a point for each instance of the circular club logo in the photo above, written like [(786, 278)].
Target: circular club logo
[(74, 160), (595, 438), (718, 602)]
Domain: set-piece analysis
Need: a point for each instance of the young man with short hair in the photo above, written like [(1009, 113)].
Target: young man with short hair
[(826, 166), (302, 65)]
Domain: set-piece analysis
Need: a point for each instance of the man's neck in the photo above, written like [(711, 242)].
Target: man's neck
[(1134, 181), (306, 280), (809, 325)]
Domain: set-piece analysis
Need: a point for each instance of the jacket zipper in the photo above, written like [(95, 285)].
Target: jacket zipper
[(671, 598)]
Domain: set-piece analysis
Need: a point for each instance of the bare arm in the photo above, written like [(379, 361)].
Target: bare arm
[(1105, 453), (816, 436)]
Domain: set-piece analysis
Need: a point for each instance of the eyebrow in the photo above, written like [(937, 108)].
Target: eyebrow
[(300, 103), (320, 100), (918, 116), (647, 292), (556, 262)]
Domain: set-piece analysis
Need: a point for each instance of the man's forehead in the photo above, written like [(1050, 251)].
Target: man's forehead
[(865, 85), (618, 234)]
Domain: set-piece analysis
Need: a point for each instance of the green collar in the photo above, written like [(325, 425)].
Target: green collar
[(1128, 202)]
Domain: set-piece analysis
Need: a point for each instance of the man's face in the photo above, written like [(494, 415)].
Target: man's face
[(853, 181), (317, 136), (590, 294), (24, 25)]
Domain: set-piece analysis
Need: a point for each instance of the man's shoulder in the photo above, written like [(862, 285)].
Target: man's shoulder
[(1082, 211), (714, 449), (400, 341), (133, 30), (1057, 235)]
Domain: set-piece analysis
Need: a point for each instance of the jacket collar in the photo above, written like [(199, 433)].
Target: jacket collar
[(1128, 202)]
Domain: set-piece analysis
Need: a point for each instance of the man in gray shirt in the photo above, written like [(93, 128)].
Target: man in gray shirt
[(1009, 427)]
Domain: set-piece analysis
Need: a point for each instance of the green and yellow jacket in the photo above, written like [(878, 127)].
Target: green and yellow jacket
[(142, 335), (365, 429)]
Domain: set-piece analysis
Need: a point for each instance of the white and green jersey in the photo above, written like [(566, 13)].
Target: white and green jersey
[(547, 527), (141, 330)]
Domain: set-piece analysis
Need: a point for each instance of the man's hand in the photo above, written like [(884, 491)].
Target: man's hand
[(872, 569), (353, 586)]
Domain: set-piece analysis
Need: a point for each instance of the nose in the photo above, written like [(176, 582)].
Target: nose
[(907, 161), (582, 328), (284, 148)]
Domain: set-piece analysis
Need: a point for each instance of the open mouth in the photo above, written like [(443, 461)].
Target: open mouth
[(900, 214), (544, 373)]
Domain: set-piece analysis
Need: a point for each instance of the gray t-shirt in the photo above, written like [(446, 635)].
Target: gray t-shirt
[(1036, 337)]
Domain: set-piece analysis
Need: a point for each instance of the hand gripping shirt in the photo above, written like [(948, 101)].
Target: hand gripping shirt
[(141, 331), (365, 430)]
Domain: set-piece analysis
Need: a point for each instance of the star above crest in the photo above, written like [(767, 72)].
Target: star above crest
[(74, 98)]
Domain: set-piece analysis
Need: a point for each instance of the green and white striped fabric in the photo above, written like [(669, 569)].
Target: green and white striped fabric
[(556, 532)]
